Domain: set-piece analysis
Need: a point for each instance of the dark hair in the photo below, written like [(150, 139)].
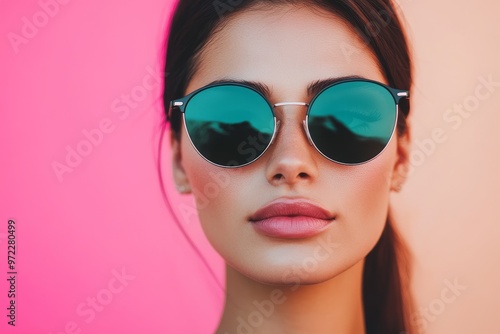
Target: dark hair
[(387, 300)]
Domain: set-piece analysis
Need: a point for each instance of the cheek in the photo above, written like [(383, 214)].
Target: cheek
[(373, 181), (365, 199), (208, 182), (216, 191)]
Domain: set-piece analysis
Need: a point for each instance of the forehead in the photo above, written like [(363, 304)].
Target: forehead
[(285, 47)]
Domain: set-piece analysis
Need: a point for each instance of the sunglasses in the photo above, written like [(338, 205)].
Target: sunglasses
[(349, 122)]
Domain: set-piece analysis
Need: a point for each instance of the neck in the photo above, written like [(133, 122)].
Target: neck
[(333, 306)]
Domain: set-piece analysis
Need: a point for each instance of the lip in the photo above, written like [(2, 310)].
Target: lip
[(291, 219)]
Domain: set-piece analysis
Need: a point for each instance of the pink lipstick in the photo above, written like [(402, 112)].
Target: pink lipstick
[(291, 218)]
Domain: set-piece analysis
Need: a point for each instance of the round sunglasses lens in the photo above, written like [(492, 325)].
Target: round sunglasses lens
[(352, 122), (229, 125)]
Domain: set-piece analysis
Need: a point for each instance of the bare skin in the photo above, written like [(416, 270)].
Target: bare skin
[(309, 285)]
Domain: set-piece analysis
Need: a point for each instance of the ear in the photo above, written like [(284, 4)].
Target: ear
[(178, 172), (402, 164)]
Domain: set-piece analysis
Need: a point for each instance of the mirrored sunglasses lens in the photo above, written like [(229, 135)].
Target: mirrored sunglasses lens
[(352, 122), (229, 125)]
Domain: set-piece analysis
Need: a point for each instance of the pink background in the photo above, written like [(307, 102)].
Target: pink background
[(77, 232)]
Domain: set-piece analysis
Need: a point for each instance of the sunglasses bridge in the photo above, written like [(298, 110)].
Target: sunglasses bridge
[(304, 122)]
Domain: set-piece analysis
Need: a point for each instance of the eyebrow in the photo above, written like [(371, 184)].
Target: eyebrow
[(313, 88)]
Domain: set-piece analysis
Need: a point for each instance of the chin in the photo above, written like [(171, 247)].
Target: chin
[(296, 274)]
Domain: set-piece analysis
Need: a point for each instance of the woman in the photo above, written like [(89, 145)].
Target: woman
[(299, 109)]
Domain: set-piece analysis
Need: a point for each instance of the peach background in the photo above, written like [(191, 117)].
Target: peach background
[(107, 215)]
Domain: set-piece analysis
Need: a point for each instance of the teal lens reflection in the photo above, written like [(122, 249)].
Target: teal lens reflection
[(352, 122), (229, 125)]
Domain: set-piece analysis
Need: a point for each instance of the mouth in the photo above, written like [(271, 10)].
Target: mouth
[(291, 219)]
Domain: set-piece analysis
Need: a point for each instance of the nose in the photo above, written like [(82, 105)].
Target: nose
[(292, 158)]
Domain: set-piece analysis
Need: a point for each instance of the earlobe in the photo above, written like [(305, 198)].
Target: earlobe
[(179, 174), (401, 166)]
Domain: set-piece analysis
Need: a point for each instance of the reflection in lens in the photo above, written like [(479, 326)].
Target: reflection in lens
[(352, 122), (229, 124), (341, 144)]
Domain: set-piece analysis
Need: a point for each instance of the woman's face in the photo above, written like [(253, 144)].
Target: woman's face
[(287, 48)]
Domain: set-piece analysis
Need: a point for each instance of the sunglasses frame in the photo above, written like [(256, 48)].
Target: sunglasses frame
[(181, 103)]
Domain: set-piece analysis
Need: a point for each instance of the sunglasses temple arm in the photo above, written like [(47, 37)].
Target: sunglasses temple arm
[(179, 105), (402, 94)]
